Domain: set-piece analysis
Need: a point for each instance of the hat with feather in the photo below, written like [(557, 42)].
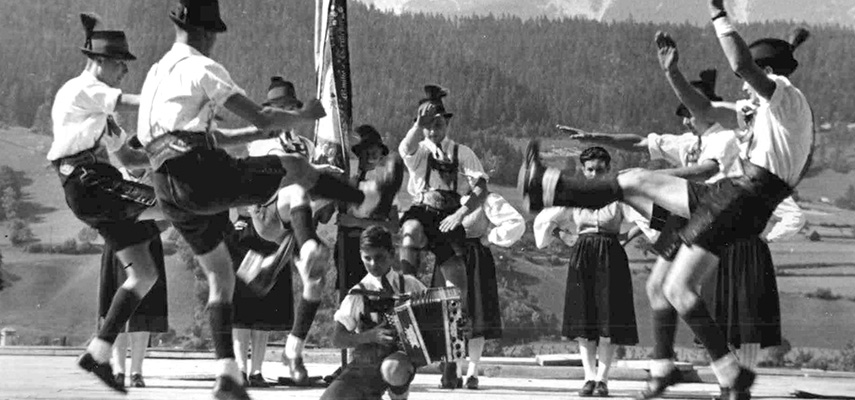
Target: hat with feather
[(109, 44), (777, 53)]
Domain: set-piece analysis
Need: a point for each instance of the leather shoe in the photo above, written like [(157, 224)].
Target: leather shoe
[(657, 385), (587, 389), (449, 379), (472, 383), (102, 371), (226, 388), (297, 370), (601, 390), (741, 386), (257, 381), (120, 379), (137, 381), (389, 176), (530, 178)]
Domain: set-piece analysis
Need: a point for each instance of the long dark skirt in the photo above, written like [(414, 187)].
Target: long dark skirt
[(274, 311), (483, 290), (598, 301), (152, 313), (745, 296)]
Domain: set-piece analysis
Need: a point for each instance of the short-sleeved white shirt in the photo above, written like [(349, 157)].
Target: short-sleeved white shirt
[(782, 132), (182, 92), (417, 164), (353, 306), (79, 115), (717, 144)]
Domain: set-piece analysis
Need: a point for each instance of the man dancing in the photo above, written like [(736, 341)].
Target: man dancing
[(196, 182), (782, 130), (84, 132)]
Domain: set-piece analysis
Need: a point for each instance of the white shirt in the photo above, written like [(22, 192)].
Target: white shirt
[(79, 116), (496, 219), (604, 220), (782, 132), (353, 306), (417, 163), (182, 92), (717, 144)]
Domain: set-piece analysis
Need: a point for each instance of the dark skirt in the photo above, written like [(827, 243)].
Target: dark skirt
[(484, 311), (745, 294), (598, 301), (275, 310), (152, 313)]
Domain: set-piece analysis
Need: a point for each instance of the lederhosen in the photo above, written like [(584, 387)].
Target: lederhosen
[(434, 205), (197, 183), (361, 378), (97, 194)]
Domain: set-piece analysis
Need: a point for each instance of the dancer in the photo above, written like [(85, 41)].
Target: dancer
[(256, 316), (782, 135), (178, 103), (85, 131), (597, 311), (433, 221), (377, 365), (494, 222)]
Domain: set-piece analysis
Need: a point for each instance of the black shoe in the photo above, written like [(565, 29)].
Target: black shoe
[(587, 389), (741, 386), (530, 178), (602, 390), (297, 370), (257, 381), (449, 379), (472, 383), (137, 381), (657, 385), (226, 388), (102, 371), (119, 379)]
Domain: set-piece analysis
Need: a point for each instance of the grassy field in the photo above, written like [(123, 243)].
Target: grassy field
[(56, 294)]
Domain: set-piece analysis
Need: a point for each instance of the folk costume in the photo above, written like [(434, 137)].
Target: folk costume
[(85, 131), (362, 378)]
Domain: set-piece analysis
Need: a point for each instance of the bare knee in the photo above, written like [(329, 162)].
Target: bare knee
[(412, 234), (298, 171), (679, 294)]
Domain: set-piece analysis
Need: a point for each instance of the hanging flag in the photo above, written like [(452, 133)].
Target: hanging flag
[(332, 66)]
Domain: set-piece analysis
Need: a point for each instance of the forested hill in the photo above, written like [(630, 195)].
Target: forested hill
[(511, 77)]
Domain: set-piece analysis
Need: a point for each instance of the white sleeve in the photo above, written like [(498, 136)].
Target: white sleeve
[(632, 216), (349, 312), (415, 160), (218, 84), (508, 223), (792, 219), (101, 97), (469, 162), (549, 219), (668, 147)]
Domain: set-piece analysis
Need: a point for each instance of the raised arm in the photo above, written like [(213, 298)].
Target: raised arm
[(737, 52), (699, 105), (426, 117)]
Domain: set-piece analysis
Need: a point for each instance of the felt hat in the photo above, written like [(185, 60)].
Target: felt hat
[(109, 44), (778, 53), (282, 93), (198, 14), (434, 95), (705, 85), (368, 136)]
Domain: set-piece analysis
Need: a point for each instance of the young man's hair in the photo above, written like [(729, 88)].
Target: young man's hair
[(376, 236), (595, 153)]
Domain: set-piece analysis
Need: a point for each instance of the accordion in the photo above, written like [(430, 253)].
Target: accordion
[(430, 326)]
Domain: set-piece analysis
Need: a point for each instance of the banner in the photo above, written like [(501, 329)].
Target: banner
[(332, 66)]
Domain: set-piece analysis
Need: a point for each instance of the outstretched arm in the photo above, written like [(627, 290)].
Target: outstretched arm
[(622, 141), (737, 53), (700, 106), (270, 118)]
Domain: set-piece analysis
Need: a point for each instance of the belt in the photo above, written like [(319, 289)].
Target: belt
[(65, 166), (175, 144)]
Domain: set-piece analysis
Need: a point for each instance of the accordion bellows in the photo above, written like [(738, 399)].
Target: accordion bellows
[(429, 326)]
